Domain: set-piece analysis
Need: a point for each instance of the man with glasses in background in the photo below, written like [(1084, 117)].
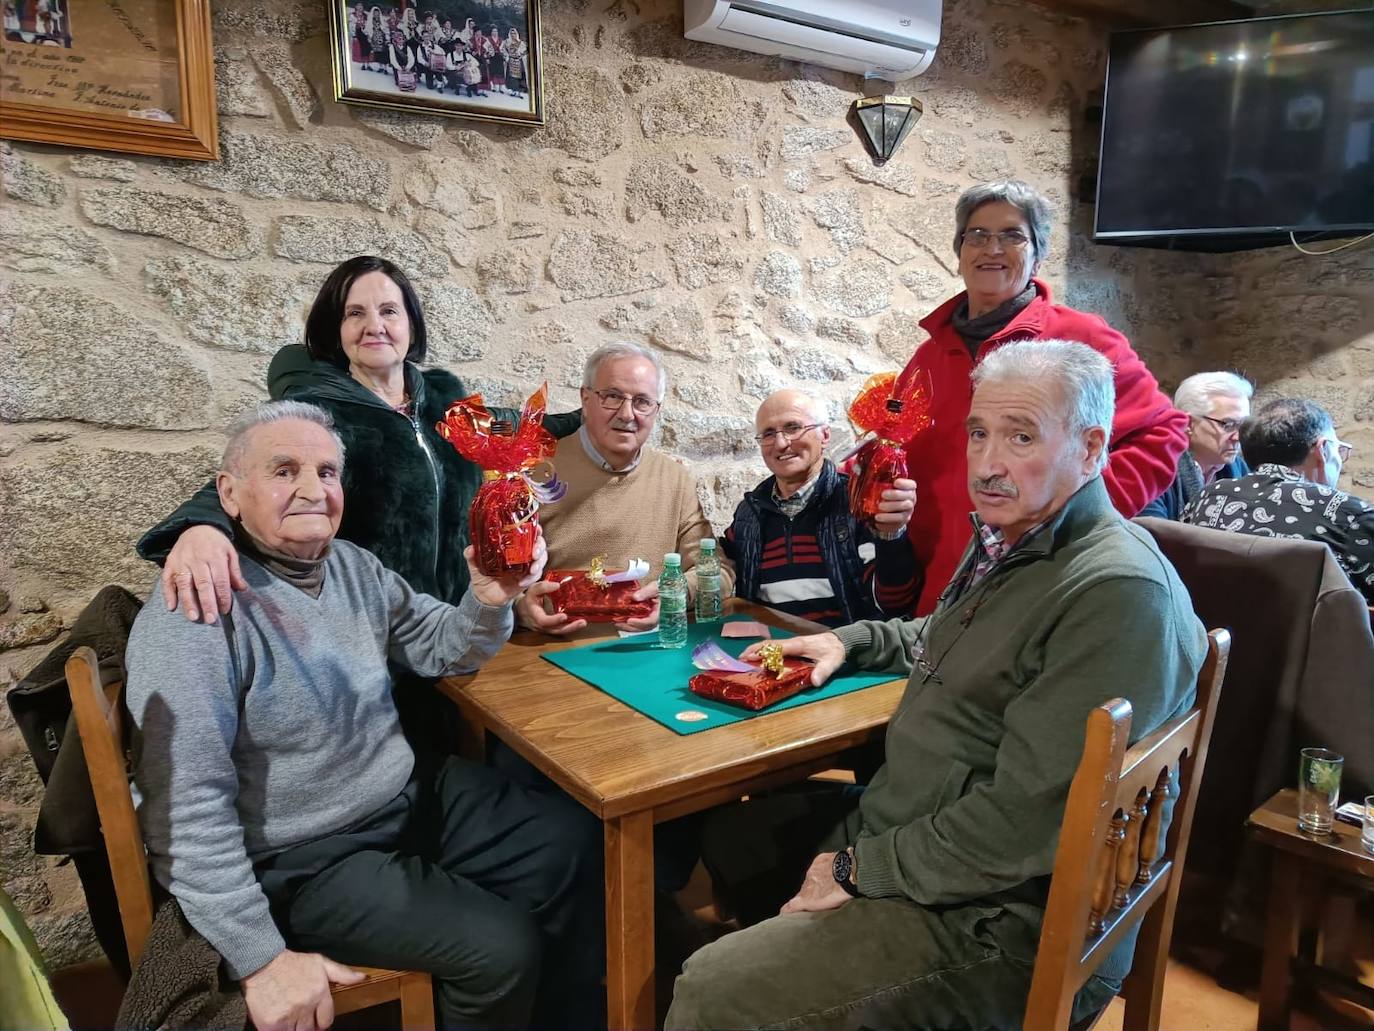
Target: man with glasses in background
[(624, 500), (794, 543), (1216, 404), (1292, 492)]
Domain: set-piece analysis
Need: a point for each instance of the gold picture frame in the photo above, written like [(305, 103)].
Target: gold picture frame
[(458, 58), (134, 76)]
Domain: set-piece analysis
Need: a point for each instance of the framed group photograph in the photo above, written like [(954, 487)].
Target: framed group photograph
[(135, 76), (465, 58)]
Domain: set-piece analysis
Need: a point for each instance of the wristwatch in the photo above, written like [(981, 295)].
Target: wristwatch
[(843, 870)]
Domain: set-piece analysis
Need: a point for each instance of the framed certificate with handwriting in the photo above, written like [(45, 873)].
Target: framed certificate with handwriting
[(135, 76)]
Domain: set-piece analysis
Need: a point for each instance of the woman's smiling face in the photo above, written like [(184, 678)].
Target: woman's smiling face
[(996, 272)]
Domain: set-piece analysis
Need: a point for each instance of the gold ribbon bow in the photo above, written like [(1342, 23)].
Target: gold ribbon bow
[(771, 656)]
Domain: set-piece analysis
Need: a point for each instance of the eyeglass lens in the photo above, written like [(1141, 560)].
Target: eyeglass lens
[(1007, 238), (613, 400), (788, 431)]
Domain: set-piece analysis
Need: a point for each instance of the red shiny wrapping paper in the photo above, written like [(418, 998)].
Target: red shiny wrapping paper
[(502, 520), (580, 598), (756, 690), (882, 461), (503, 526)]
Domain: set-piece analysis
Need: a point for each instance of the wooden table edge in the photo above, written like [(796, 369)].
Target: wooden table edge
[(744, 776)]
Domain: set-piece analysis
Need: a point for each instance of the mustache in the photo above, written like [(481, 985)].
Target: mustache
[(625, 424), (998, 485)]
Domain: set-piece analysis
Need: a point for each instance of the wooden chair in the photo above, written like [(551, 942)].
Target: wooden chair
[(1112, 871), (99, 723)]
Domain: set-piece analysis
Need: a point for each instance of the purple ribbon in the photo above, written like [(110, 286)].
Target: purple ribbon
[(709, 655), (548, 492)]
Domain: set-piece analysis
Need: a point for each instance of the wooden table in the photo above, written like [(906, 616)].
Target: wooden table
[(633, 773), (1303, 862)]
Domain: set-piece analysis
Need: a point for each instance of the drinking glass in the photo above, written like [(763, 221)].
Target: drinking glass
[(1367, 829), (1319, 785)]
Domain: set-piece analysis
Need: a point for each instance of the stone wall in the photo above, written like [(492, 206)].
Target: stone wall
[(711, 203)]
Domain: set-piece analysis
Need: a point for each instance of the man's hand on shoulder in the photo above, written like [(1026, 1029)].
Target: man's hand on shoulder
[(291, 993), (820, 890), (825, 650)]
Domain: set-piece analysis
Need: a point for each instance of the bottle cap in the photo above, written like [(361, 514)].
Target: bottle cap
[(708, 544), (672, 558)]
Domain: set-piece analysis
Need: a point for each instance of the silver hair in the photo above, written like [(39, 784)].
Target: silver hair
[(269, 412), (624, 349), (1195, 393), (1033, 204), (1086, 378)]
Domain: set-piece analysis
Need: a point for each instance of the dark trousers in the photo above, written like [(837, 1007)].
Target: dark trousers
[(871, 963), (677, 844), (468, 876)]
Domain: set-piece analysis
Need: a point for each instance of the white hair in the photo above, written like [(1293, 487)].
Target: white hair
[(268, 412), (1086, 378), (624, 349), (1194, 395)]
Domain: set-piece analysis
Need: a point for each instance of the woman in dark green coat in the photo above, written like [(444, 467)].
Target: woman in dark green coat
[(406, 490)]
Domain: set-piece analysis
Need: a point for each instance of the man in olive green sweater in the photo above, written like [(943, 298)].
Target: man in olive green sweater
[(923, 907)]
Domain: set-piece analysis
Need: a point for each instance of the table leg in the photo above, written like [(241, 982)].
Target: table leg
[(1280, 941), (630, 922)]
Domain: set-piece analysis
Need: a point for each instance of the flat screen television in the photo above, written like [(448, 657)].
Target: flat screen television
[(1231, 135)]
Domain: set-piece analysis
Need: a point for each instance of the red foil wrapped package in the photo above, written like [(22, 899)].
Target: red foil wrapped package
[(600, 595), (503, 520), (754, 690), (741, 683), (890, 412)]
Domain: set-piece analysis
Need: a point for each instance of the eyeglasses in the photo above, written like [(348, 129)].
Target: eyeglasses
[(614, 400), (1343, 449), (1225, 425), (787, 431), (1010, 239)]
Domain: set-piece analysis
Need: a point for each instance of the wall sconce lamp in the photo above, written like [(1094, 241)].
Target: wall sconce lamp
[(884, 122)]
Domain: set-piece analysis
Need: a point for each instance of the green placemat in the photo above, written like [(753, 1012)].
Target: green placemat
[(653, 680)]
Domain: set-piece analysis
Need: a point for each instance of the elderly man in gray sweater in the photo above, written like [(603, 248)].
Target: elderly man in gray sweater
[(282, 805)]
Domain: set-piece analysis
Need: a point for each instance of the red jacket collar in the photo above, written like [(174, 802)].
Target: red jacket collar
[(1030, 319)]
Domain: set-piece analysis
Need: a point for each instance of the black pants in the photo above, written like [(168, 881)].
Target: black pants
[(468, 876), (677, 844)]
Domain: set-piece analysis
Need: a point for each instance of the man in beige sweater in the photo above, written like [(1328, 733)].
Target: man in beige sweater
[(624, 500)]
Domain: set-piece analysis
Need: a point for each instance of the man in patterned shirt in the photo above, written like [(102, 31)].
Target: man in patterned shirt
[(1297, 459)]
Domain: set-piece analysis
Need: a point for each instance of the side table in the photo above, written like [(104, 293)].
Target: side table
[(1303, 862)]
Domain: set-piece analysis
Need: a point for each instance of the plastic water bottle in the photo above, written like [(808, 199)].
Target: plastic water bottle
[(708, 582), (672, 603)]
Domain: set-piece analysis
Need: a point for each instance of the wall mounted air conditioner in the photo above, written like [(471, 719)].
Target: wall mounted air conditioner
[(889, 39)]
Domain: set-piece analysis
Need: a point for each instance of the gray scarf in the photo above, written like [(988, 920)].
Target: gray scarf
[(975, 331)]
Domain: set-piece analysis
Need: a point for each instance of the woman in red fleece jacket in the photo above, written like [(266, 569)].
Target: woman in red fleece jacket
[(1001, 236)]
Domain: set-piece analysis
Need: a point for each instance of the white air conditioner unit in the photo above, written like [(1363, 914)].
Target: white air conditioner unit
[(889, 39)]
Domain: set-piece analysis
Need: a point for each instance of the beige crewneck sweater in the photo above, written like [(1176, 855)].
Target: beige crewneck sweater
[(650, 510)]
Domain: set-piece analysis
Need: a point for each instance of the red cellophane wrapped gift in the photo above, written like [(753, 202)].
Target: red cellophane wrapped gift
[(502, 520), (754, 690), (599, 595), (890, 411)]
